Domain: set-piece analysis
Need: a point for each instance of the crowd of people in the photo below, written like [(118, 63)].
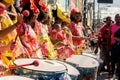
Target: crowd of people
[(108, 42), (35, 31), (52, 34)]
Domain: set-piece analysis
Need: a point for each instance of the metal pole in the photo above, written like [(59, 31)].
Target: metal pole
[(98, 15), (84, 13), (93, 15)]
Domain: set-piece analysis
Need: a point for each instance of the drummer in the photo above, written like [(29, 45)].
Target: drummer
[(41, 30), (14, 50), (5, 31), (77, 28), (59, 36), (28, 36)]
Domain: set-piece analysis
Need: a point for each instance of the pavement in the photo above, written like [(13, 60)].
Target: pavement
[(103, 75)]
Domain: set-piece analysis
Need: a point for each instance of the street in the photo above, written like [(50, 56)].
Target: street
[(103, 75)]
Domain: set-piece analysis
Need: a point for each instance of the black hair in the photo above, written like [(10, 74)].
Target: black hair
[(108, 17), (42, 15), (54, 14), (31, 13), (72, 18)]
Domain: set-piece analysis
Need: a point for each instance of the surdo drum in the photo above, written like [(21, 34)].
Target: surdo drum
[(91, 54), (87, 66), (71, 70), (46, 70)]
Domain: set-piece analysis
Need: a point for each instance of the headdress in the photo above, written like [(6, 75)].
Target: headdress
[(74, 11), (43, 6), (62, 15), (9, 1), (32, 5)]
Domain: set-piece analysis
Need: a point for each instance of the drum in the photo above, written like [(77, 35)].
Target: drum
[(14, 77), (91, 54), (87, 66), (47, 69), (72, 71)]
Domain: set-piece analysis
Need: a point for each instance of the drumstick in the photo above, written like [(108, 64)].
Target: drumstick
[(35, 63), (10, 13), (25, 14)]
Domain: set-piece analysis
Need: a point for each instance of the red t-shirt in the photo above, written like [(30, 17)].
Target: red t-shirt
[(104, 34)]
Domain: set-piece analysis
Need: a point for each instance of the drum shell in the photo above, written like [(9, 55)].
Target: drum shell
[(71, 70), (91, 54), (87, 73), (44, 74), (38, 74)]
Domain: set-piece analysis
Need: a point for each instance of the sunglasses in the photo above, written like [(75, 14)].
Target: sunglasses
[(78, 15)]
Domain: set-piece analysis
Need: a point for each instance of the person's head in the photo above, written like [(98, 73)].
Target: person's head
[(42, 17), (108, 20), (117, 18), (7, 3), (32, 16), (76, 15)]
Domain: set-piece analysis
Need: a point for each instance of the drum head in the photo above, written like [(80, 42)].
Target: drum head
[(93, 56), (44, 65), (13, 77), (70, 69), (83, 61), (89, 54)]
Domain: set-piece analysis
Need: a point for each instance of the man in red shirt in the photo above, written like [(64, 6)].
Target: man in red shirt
[(104, 43)]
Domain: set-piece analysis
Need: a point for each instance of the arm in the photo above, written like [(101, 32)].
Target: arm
[(5, 31), (81, 38), (117, 39), (117, 35), (4, 48), (98, 42), (10, 46)]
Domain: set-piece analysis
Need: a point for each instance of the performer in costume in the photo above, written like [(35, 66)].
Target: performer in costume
[(77, 30), (28, 36), (42, 33), (58, 35), (8, 55)]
